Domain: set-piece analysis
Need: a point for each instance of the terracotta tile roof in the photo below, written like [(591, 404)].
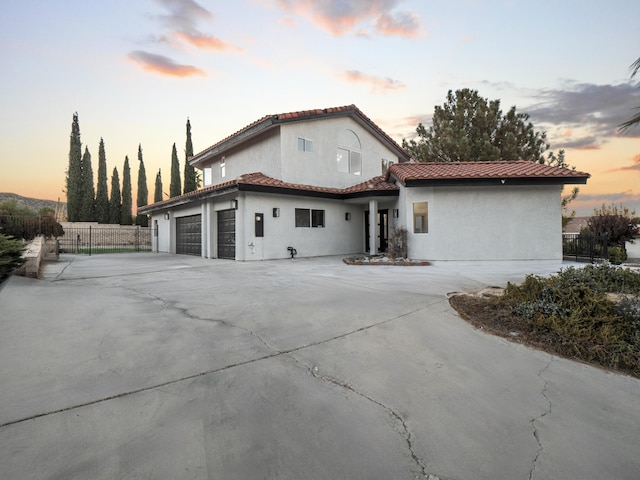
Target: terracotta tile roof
[(496, 170), (279, 118), (259, 182)]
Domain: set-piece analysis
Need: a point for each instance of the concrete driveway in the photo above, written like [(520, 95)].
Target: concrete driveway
[(148, 366)]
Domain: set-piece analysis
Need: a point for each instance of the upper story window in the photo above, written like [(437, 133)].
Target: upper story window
[(349, 156), (223, 167), (208, 177), (305, 145), (385, 165)]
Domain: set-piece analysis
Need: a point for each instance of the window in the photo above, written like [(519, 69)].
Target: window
[(348, 157), (305, 145), (385, 165), (420, 217), (223, 168), (309, 218), (208, 178)]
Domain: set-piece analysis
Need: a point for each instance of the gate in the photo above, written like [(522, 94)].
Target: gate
[(92, 240), (584, 248)]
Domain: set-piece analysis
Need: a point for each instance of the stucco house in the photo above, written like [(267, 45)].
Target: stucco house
[(331, 182)]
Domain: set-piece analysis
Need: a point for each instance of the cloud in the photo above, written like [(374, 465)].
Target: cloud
[(597, 110), (377, 84), (205, 42), (341, 17), (633, 167), (162, 65)]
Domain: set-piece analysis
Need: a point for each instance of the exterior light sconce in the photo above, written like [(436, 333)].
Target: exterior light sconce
[(347, 216), (234, 204), (166, 216), (276, 212), (396, 213)]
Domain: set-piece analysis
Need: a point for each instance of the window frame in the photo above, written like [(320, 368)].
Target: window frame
[(305, 145), (420, 218), (309, 218), (223, 167)]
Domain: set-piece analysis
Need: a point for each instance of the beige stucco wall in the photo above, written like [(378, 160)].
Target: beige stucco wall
[(486, 223)]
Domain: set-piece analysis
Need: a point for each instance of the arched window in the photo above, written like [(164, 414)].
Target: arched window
[(349, 156)]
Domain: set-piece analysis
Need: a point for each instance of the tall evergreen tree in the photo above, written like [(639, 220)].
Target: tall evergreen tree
[(143, 191), (102, 192), (190, 182), (157, 192), (74, 172), (127, 218), (174, 186), (115, 204), (87, 197)]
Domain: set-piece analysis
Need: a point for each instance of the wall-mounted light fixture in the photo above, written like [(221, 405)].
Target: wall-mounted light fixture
[(347, 216), (396, 213), (234, 204), (276, 212), (166, 216)]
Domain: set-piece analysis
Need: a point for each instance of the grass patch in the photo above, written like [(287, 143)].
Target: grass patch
[(590, 314)]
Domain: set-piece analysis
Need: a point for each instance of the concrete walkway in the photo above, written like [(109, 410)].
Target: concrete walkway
[(147, 366)]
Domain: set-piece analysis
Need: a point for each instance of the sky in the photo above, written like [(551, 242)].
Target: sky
[(135, 71)]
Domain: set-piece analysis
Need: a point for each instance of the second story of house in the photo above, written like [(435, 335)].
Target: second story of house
[(333, 147)]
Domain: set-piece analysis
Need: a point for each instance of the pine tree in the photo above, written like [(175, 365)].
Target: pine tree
[(74, 172), (87, 197), (115, 204), (102, 192), (190, 182), (143, 191), (127, 218), (174, 186), (157, 193)]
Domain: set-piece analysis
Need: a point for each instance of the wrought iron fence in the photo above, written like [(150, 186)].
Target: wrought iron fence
[(92, 240), (583, 248)]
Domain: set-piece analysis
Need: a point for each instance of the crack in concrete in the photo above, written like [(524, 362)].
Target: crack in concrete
[(391, 412), (275, 353), (533, 421)]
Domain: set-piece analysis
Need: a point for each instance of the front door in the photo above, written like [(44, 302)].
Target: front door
[(382, 230)]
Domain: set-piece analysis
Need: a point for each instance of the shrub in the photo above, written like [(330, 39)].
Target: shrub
[(10, 255), (617, 255), (397, 246)]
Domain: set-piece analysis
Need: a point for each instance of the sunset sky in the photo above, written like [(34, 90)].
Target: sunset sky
[(136, 70)]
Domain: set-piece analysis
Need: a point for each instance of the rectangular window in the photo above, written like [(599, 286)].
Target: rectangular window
[(208, 178), (309, 218), (223, 169), (317, 218), (355, 163), (303, 217), (385, 165), (420, 217), (342, 158), (305, 145)]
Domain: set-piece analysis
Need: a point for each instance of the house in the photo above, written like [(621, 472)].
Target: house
[(331, 182)]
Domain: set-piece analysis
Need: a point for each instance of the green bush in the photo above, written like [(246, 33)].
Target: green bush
[(10, 255), (617, 255)]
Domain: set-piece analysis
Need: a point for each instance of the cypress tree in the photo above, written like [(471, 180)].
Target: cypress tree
[(127, 218), (74, 172), (102, 193), (143, 192), (157, 193), (115, 204), (174, 186), (190, 182), (87, 197)]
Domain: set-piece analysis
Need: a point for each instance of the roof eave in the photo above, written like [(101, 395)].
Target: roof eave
[(519, 181)]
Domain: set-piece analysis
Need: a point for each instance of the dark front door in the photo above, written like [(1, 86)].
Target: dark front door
[(227, 234), (189, 235), (382, 230)]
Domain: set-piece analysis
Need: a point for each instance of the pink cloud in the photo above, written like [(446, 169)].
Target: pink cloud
[(378, 84), (341, 17), (163, 65), (205, 42)]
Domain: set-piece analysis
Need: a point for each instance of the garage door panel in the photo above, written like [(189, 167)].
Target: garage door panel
[(189, 235), (227, 234)]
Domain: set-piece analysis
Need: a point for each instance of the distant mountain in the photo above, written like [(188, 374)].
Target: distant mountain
[(33, 203)]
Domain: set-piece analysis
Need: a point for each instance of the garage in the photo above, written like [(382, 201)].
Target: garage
[(227, 234), (189, 235)]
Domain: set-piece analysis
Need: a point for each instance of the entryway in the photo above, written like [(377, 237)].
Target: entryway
[(227, 234), (382, 230)]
